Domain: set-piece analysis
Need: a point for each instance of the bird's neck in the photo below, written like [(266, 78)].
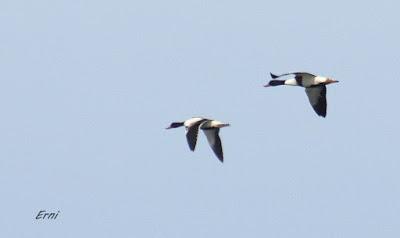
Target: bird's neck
[(276, 82), (177, 124)]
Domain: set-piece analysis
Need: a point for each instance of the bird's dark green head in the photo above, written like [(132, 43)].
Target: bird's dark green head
[(275, 82), (175, 125)]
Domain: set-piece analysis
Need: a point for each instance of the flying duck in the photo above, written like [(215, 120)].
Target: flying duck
[(314, 85), (209, 127)]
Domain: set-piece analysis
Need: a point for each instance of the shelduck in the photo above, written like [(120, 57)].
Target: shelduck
[(210, 129), (315, 87)]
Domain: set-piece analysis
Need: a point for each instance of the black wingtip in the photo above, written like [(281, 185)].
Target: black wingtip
[(321, 114), (274, 76), (220, 158), (192, 148)]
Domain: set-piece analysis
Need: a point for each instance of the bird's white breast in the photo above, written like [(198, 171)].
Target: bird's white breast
[(291, 82), (191, 121)]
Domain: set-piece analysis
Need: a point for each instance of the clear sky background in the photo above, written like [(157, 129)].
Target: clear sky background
[(87, 88)]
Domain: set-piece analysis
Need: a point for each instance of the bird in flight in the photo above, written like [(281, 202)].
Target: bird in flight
[(210, 128), (315, 87)]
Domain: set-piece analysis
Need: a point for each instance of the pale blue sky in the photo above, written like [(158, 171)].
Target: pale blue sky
[(87, 88)]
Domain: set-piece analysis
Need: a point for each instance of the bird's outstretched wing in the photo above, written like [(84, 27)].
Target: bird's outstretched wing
[(317, 97), (215, 142), (192, 133)]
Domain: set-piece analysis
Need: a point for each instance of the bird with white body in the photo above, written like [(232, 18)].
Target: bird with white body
[(210, 129), (315, 88)]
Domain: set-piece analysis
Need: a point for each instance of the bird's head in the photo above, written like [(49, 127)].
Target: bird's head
[(274, 82), (175, 125)]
